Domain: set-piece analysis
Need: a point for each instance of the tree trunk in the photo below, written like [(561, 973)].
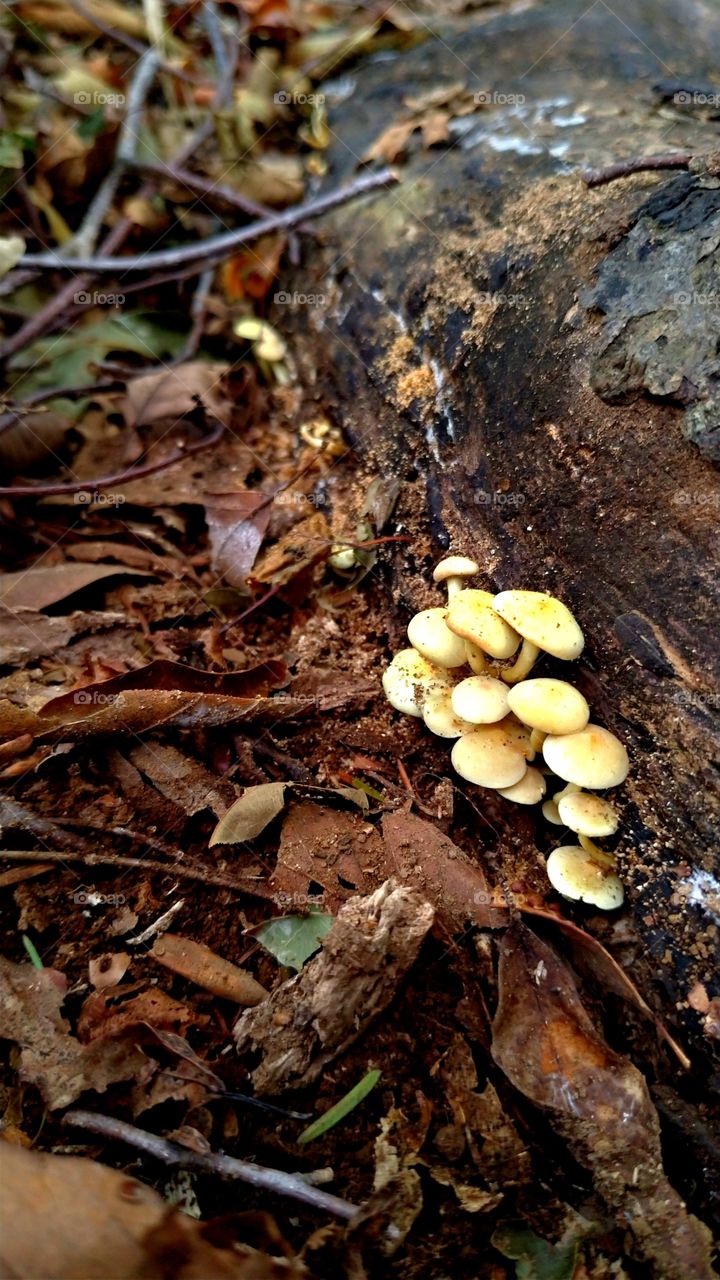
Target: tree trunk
[(475, 316)]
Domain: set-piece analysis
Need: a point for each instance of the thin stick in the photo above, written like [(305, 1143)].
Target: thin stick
[(216, 248), (137, 46), (205, 187), (274, 1180), (118, 477), (83, 242), (642, 164), (178, 869)]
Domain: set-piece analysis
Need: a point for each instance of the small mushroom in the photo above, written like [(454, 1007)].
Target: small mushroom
[(429, 633), (480, 699), (575, 874), (529, 790), (342, 558), (544, 623), (452, 571), (551, 706), (550, 812), (587, 814), (439, 716), (409, 679), (592, 758), (471, 615), (488, 757)]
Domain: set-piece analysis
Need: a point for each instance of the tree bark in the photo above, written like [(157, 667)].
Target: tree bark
[(519, 350)]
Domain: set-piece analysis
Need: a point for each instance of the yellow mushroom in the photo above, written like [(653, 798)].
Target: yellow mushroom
[(488, 757), (544, 623), (592, 758), (409, 679)]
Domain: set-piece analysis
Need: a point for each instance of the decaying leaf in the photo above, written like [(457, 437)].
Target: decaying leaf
[(341, 852), (237, 522), (197, 963), (293, 939), (315, 1016), (420, 854), (545, 1042), (177, 391), (303, 546), (258, 805), (50, 1057)]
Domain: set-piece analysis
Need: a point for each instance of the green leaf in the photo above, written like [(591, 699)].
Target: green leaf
[(33, 953), (536, 1259), (68, 361), (293, 939), (340, 1110), (12, 146), (88, 128)]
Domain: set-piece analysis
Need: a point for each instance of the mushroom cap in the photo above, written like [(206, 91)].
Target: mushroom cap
[(471, 615), (455, 567), (439, 717), (587, 814), (520, 735), (409, 679), (480, 699), (592, 758), (553, 706), (529, 790), (551, 814), (543, 620), (429, 633), (488, 757), (575, 874)]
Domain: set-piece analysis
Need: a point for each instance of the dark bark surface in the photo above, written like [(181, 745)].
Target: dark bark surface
[(472, 318)]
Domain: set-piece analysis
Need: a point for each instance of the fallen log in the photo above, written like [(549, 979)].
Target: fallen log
[(538, 362)]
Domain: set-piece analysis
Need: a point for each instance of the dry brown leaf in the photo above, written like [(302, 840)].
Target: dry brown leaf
[(236, 525), (197, 963), (100, 1222), (421, 855), (303, 546), (545, 1042), (104, 1016), (181, 779), (309, 1020), (177, 391), (50, 1057), (339, 851), (40, 588)]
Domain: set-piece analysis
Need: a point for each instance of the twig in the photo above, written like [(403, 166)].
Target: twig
[(83, 242), (671, 160), (50, 314), (118, 477), (216, 248), (177, 869), (137, 46), (205, 187), (274, 1180), (198, 311)]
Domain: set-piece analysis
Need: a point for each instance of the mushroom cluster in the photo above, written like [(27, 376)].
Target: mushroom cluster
[(501, 720)]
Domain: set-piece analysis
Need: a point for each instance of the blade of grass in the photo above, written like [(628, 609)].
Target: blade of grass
[(340, 1110), (33, 953)]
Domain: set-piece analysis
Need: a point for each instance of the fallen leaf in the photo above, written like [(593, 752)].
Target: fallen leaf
[(237, 523), (392, 142), (547, 1046), (341, 852), (422, 855), (177, 391), (309, 1020), (101, 1222), (197, 963), (293, 939), (103, 1016), (183, 780), (50, 1057), (251, 814), (40, 588), (303, 546)]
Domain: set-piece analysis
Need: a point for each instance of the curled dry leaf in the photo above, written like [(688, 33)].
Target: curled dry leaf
[(545, 1042), (197, 963), (50, 1057), (315, 1016), (175, 392), (103, 1017)]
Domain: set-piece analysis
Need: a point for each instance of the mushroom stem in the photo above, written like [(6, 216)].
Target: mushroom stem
[(476, 659), (598, 855), (537, 737), (453, 586), (523, 664), (569, 790)]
